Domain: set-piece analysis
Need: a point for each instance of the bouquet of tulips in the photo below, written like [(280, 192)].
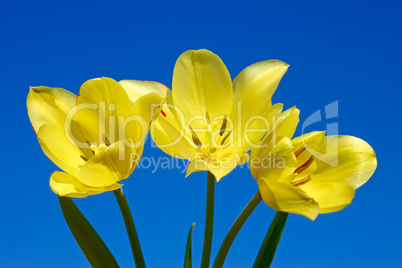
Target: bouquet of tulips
[(97, 139)]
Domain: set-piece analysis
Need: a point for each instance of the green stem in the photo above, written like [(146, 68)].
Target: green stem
[(231, 235), (209, 221), (268, 247), (130, 227)]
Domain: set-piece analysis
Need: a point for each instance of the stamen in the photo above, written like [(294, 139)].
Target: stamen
[(90, 146), (105, 140), (223, 127), (300, 151), (84, 158), (305, 165), (212, 150), (163, 113), (225, 138), (196, 140), (207, 117), (301, 182)]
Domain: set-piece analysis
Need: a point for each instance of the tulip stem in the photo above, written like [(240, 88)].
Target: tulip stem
[(268, 247), (231, 235), (130, 227), (209, 221)]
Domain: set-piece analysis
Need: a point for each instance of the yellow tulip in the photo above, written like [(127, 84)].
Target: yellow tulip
[(97, 138), (313, 173), (208, 119)]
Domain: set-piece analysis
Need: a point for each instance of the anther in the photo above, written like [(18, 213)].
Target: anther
[(84, 158), (305, 165), (90, 146), (207, 117), (105, 140), (300, 151), (196, 140), (300, 182), (226, 137), (223, 127), (212, 150)]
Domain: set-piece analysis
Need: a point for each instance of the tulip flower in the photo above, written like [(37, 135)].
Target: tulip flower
[(209, 120), (97, 138), (310, 174)]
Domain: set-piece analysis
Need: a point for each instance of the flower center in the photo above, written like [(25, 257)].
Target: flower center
[(211, 140), (101, 148), (306, 166)]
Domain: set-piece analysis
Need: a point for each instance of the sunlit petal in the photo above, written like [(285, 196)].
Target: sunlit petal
[(59, 149), (64, 184), (348, 160), (331, 196), (107, 168), (202, 83), (283, 197), (136, 89), (49, 106)]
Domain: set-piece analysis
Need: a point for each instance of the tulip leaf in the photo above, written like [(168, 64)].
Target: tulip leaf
[(187, 258), (87, 238), (268, 247)]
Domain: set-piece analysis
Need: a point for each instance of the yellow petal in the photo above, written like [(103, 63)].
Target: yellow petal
[(64, 184), (253, 129), (219, 167), (107, 168), (146, 110), (283, 197), (49, 106), (254, 86), (102, 106), (202, 83), (284, 127), (286, 123), (168, 134), (330, 196), (136, 89), (348, 160), (312, 143), (276, 161), (199, 165), (62, 152)]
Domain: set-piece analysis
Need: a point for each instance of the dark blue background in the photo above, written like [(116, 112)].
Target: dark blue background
[(340, 50)]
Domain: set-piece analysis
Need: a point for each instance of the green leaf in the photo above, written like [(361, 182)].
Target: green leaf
[(268, 248), (87, 238), (187, 258)]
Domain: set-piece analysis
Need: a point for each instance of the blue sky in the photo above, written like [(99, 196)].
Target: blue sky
[(346, 51)]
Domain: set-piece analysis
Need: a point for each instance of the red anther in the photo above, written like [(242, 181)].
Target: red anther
[(163, 113)]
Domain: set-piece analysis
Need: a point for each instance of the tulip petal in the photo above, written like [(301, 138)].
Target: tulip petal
[(107, 168), (146, 110), (219, 167), (135, 89), (254, 86), (202, 83), (253, 129), (330, 196), (216, 170), (102, 105), (169, 135), (275, 163), (49, 106), (64, 184), (286, 198), (348, 160), (65, 154), (283, 127), (286, 123)]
